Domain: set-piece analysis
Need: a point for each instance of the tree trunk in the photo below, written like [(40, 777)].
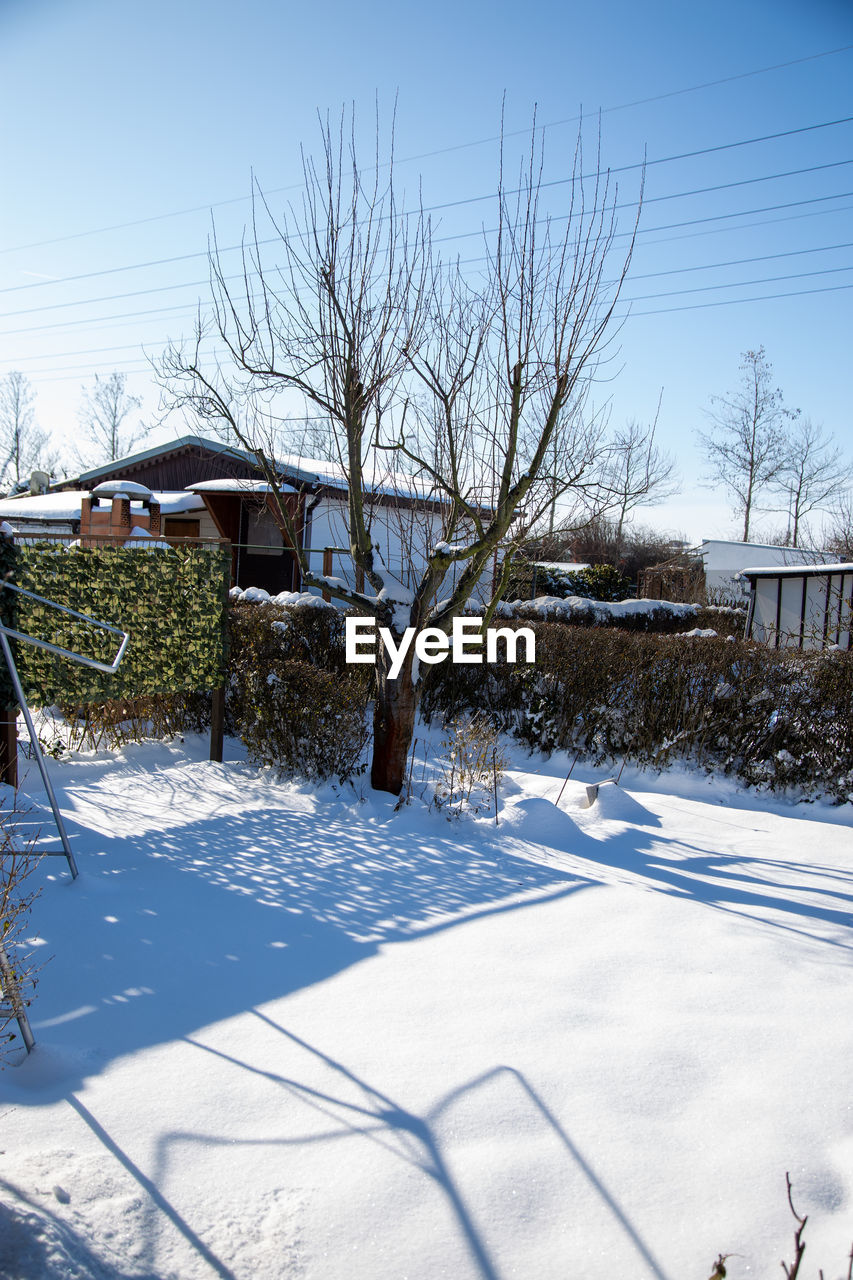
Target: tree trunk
[(393, 728)]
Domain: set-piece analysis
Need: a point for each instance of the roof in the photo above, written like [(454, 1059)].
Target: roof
[(563, 566), (796, 570), (763, 546), (88, 478), (65, 505), (237, 486), (300, 472)]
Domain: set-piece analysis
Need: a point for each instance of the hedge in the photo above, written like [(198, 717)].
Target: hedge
[(773, 718), (172, 603)]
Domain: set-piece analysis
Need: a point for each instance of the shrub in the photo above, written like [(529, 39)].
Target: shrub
[(629, 615), (774, 718), (600, 582), (300, 719), (121, 720), (18, 969), (290, 696), (472, 763)]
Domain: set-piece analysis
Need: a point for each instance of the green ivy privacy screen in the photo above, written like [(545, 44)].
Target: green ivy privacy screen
[(171, 601)]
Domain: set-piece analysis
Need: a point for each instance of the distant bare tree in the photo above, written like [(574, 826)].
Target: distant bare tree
[(105, 407), (630, 548), (23, 445), (637, 473), (813, 474), (838, 533), (746, 443)]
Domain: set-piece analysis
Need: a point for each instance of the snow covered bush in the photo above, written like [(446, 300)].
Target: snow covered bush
[(290, 696), (472, 763), (599, 582), (583, 611), (118, 721), (774, 718)]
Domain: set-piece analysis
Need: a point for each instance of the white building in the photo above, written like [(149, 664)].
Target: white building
[(805, 607), (726, 562)]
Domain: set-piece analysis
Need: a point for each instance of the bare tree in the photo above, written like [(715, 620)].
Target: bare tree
[(23, 445), (104, 409), (746, 444), (838, 534), (637, 473), (470, 384), (813, 474)]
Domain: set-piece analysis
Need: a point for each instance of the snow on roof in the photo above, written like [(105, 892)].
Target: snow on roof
[(316, 471), (237, 486), (173, 504), (122, 488), (795, 570), (66, 503)]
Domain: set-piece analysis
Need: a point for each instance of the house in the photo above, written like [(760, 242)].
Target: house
[(801, 607), (725, 564), (209, 490), (109, 511)]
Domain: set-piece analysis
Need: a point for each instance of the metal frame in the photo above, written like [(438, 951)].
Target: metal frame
[(109, 668)]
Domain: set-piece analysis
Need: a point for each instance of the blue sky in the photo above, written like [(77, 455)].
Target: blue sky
[(115, 115)]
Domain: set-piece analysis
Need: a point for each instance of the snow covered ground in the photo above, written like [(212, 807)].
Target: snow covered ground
[(292, 1033)]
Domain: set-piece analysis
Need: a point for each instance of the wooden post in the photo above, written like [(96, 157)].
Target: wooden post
[(217, 723), (327, 570), (9, 745), (217, 696)]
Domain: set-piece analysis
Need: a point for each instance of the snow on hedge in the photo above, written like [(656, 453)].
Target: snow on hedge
[(293, 599), (571, 608)]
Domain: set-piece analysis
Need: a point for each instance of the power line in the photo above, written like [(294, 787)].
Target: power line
[(731, 302), (671, 226), (738, 284), (142, 363), (159, 262), (748, 226), (741, 262), (649, 275), (624, 106), (193, 284), (185, 308), (639, 102)]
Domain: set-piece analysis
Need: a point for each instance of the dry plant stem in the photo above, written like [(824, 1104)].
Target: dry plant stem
[(792, 1270), (16, 898), (495, 776)]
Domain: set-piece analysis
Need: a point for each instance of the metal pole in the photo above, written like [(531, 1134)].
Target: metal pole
[(36, 746)]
